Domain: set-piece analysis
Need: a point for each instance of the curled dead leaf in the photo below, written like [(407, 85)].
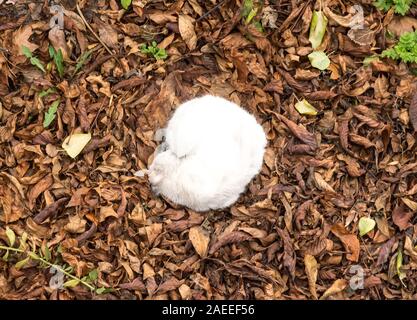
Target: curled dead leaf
[(200, 240), (338, 286), (349, 240)]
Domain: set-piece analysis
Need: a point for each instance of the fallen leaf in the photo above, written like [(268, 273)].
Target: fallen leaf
[(400, 25), (21, 39), (350, 241), (304, 107), (385, 251), (75, 224), (200, 240), (228, 238), (337, 286), (319, 60), (366, 225), (317, 28), (412, 111), (322, 184), (186, 27), (401, 218), (75, 143), (311, 267)]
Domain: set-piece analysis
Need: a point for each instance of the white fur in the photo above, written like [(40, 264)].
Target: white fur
[(213, 149)]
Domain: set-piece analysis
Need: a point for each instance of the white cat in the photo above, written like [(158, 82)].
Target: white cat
[(212, 149)]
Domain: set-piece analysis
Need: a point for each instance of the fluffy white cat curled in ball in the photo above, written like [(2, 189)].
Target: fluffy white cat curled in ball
[(212, 150)]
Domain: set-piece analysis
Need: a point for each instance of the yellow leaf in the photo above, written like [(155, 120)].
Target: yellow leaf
[(10, 236), (338, 286), (75, 143), (71, 283), (304, 107), (366, 225)]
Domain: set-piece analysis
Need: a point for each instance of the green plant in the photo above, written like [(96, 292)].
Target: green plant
[(126, 3), (33, 60), (405, 49), (58, 59), (153, 50), (51, 113), (44, 256), (44, 93), (249, 12), (400, 6), (82, 60)]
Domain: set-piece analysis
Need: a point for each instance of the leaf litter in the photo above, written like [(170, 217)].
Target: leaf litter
[(77, 121)]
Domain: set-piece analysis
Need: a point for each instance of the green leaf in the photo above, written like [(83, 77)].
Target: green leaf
[(82, 60), (47, 253), (400, 6), (10, 236), (21, 263), (93, 274), (319, 60), (59, 62), (304, 107), (51, 113), (251, 15), (26, 51), (36, 62), (157, 53), (317, 28), (366, 225), (126, 4), (247, 8), (104, 290), (405, 49), (51, 51), (44, 93), (71, 283), (33, 255)]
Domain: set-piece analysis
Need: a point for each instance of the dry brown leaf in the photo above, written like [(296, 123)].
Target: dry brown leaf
[(385, 251), (186, 27), (228, 238), (57, 38), (200, 240), (401, 217), (322, 184), (400, 25), (412, 111), (311, 267), (21, 38), (75, 224), (338, 286), (350, 241)]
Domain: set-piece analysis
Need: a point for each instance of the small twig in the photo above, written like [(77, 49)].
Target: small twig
[(95, 34), (88, 234), (210, 11), (34, 256), (49, 210)]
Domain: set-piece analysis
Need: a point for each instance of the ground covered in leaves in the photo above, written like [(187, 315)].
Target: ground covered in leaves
[(295, 234)]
